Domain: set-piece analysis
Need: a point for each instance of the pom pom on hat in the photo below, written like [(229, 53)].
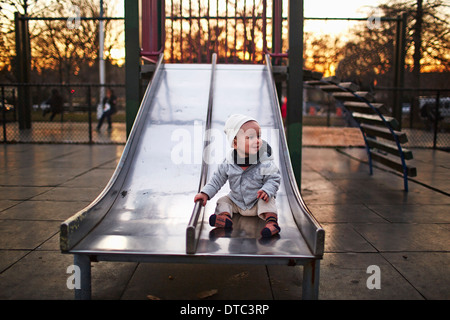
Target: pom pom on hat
[(233, 124)]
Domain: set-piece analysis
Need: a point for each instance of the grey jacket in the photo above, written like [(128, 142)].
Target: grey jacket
[(244, 184)]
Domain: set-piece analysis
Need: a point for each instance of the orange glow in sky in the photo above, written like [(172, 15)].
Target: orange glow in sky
[(312, 8)]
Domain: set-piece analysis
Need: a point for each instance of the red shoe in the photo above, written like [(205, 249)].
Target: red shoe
[(221, 220)]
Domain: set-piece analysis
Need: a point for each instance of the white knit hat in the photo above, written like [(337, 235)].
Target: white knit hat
[(233, 124)]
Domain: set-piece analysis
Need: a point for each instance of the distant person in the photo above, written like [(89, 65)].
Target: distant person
[(56, 104), (109, 108)]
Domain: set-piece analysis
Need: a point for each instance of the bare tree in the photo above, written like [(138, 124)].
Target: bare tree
[(428, 33), (7, 30), (59, 52), (369, 56), (321, 53)]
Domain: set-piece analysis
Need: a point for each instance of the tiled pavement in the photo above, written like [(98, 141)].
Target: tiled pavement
[(369, 220)]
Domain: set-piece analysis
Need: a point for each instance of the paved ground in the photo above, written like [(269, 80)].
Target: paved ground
[(369, 220)]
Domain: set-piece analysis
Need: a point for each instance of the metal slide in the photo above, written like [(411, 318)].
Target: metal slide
[(146, 212)]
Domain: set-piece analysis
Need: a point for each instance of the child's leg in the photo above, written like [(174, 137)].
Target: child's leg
[(222, 217), (268, 212), (271, 228), (221, 220)]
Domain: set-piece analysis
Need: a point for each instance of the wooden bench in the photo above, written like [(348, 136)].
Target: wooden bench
[(381, 132)]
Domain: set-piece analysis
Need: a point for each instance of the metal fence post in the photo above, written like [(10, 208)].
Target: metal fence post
[(399, 67), (23, 58), (4, 113), (436, 119), (90, 114)]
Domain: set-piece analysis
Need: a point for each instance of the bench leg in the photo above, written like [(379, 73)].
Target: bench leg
[(311, 275), (84, 263)]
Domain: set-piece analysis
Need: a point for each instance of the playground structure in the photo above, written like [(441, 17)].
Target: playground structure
[(382, 133), (143, 213)]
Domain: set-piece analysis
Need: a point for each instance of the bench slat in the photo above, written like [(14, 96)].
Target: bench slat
[(332, 79), (331, 88), (362, 107), (384, 133), (314, 83), (349, 86), (411, 171), (343, 86), (348, 96), (390, 148), (375, 120)]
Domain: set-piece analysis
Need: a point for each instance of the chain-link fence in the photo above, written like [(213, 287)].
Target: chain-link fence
[(62, 114), (365, 56), (364, 51), (425, 115), (52, 61)]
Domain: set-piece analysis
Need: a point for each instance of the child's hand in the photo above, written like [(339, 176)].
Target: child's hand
[(262, 195), (201, 196)]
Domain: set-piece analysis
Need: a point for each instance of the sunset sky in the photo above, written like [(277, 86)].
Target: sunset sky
[(312, 8), (337, 9), (320, 8)]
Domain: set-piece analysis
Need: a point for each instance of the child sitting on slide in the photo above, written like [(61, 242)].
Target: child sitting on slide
[(252, 175)]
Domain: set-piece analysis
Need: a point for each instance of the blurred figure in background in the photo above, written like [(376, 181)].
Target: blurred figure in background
[(109, 108)]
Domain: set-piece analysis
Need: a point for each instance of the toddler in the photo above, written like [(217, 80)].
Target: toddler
[(252, 175)]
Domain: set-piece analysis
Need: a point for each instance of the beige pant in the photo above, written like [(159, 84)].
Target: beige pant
[(225, 204)]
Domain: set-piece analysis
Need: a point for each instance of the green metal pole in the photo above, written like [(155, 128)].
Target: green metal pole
[(399, 68), (295, 87), (23, 63), (132, 62)]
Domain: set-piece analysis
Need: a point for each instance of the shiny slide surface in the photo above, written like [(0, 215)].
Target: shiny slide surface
[(143, 212)]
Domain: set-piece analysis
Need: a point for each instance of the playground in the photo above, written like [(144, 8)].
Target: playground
[(363, 212)]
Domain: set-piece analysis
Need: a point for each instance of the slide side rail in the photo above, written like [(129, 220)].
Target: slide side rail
[(195, 223)]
